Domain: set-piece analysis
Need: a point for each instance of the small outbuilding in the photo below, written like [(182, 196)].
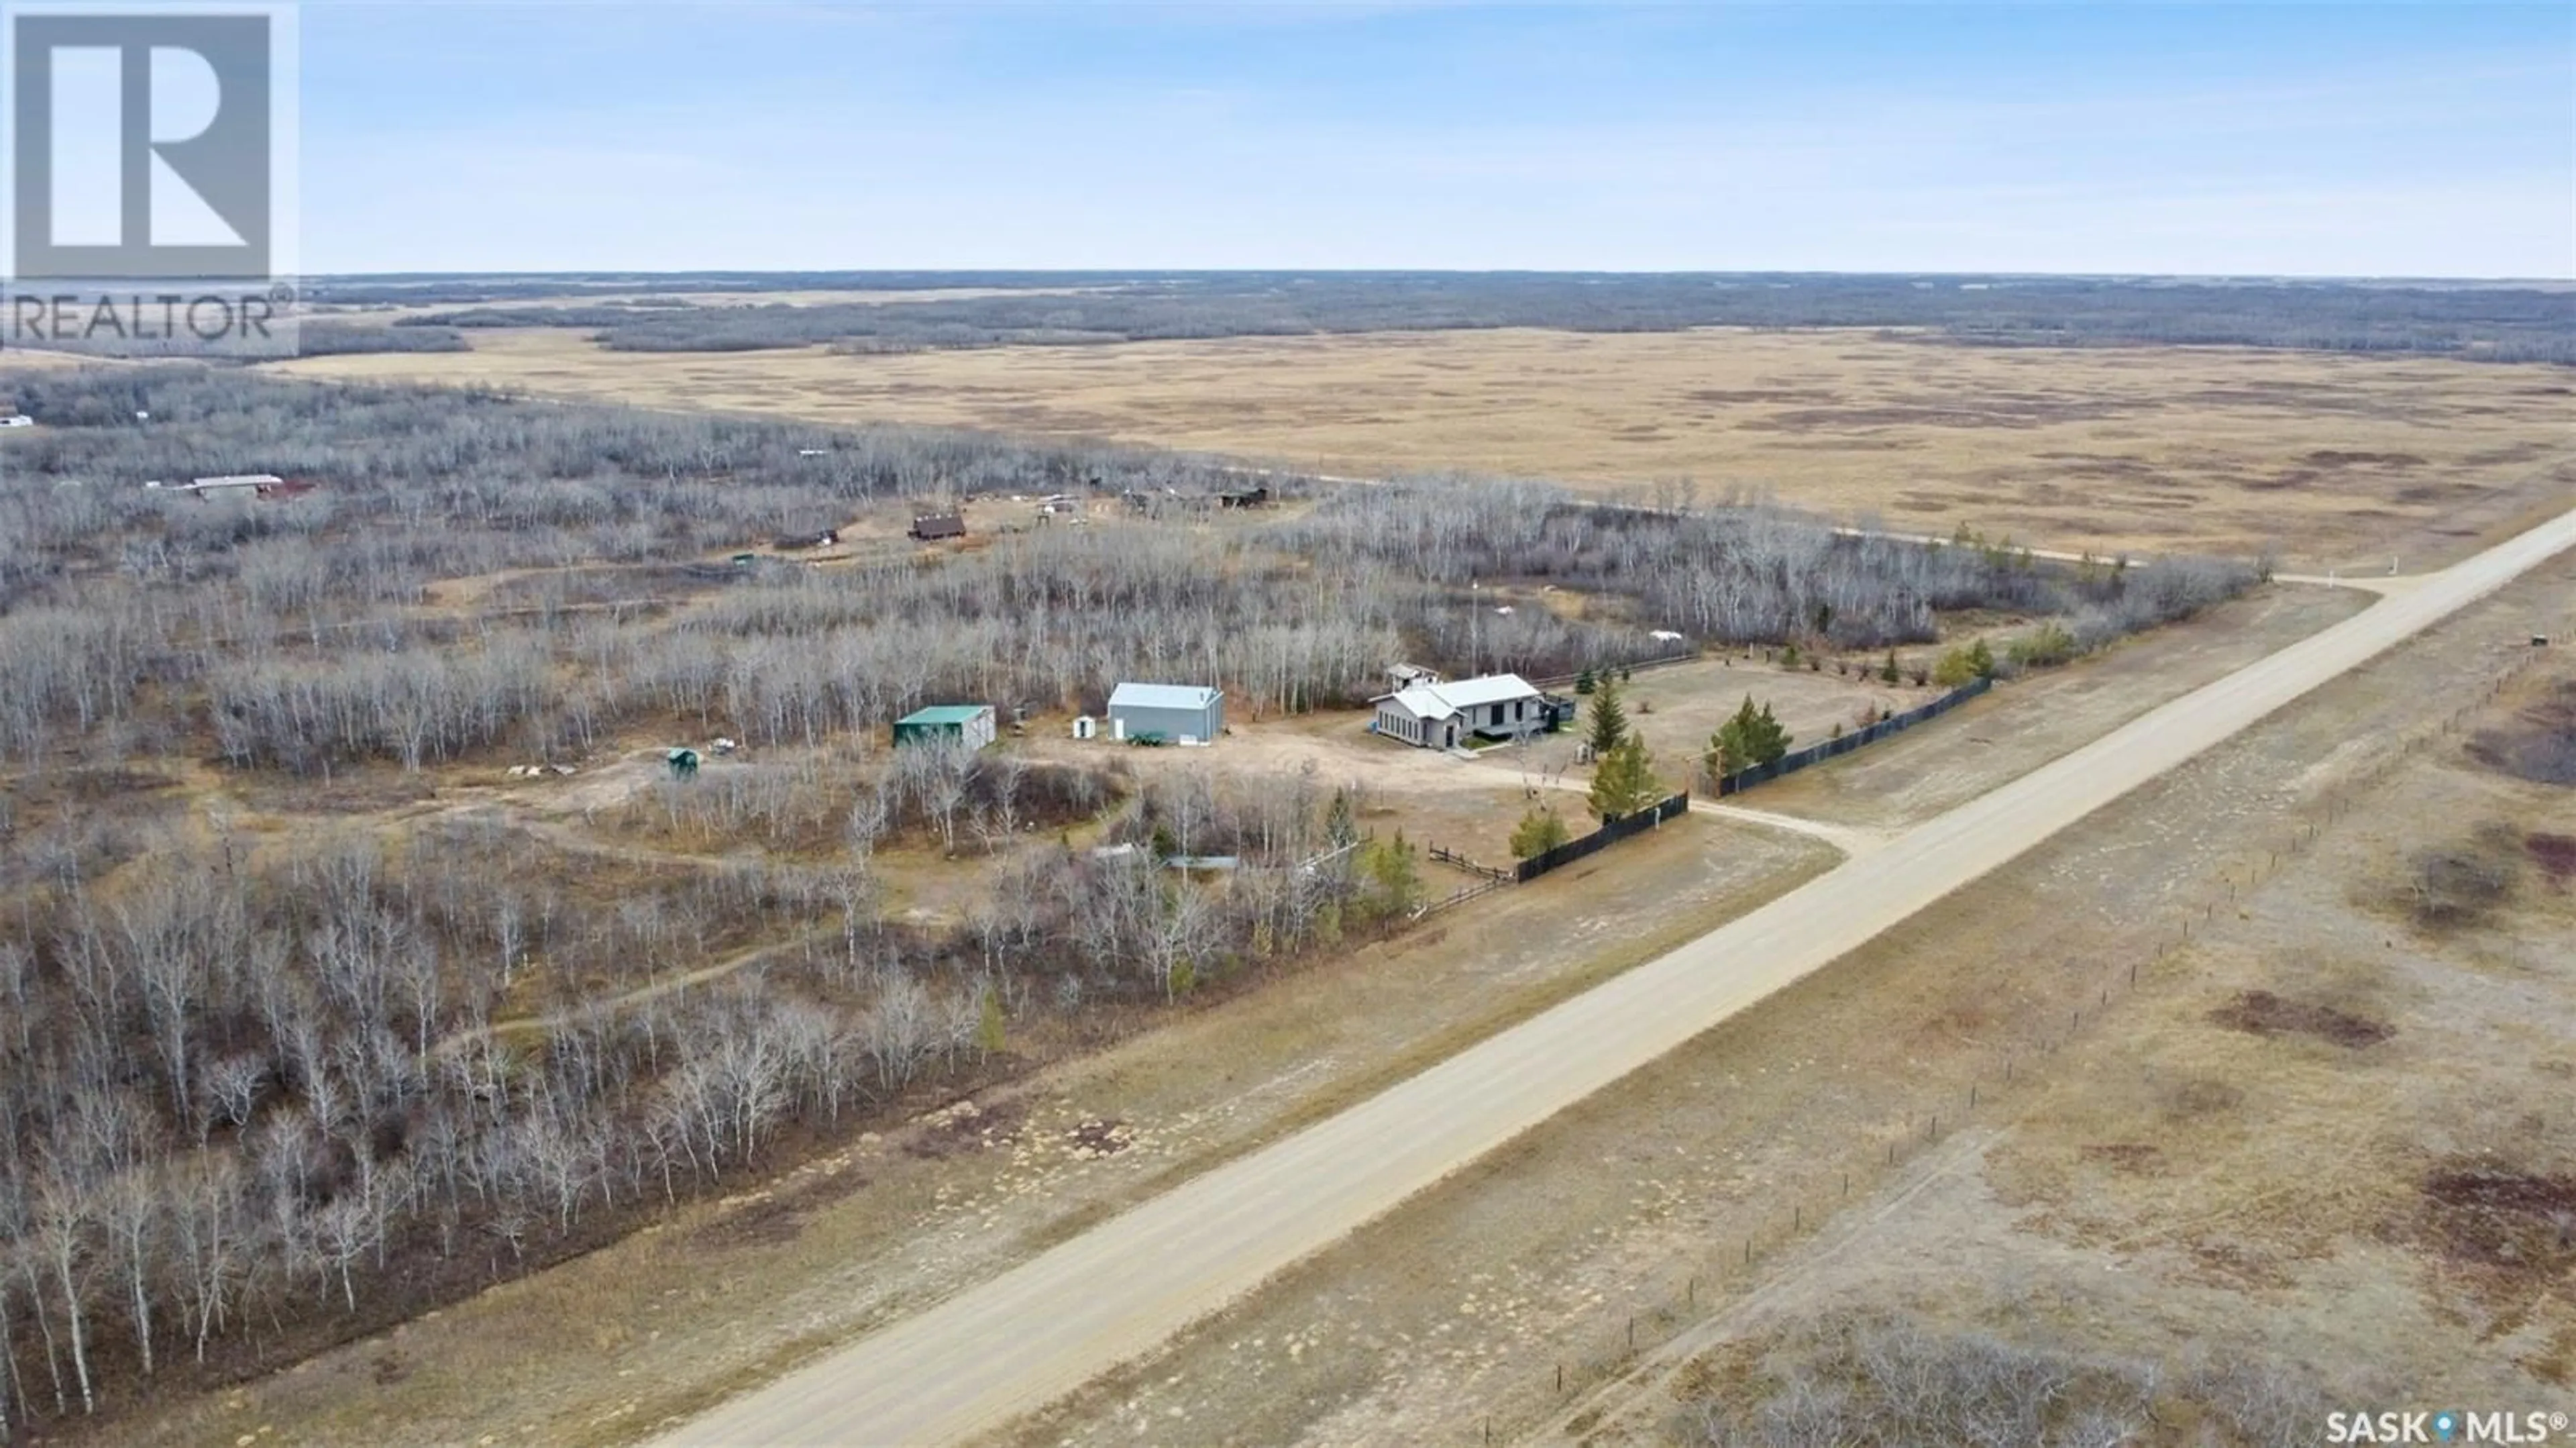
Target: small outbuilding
[(1400, 677), (932, 527), (967, 724), (1180, 713)]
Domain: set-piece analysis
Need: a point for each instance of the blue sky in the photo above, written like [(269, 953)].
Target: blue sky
[(2274, 139)]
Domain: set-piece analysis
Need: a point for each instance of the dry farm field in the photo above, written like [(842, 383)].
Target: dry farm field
[(2340, 461)]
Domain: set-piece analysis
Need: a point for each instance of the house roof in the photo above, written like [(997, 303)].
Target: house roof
[(1163, 696), (1419, 702), (938, 525), (1438, 701), (947, 714)]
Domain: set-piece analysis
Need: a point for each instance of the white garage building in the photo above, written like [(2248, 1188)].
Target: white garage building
[(1175, 713)]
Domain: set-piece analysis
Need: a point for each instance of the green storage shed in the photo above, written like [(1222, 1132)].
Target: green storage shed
[(969, 724)]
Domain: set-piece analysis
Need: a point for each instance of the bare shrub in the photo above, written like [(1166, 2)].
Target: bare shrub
[(2540, 745), (1878, 1382), (2459, 886)]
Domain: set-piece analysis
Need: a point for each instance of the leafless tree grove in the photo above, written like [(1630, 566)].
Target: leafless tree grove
[(263, 1088)]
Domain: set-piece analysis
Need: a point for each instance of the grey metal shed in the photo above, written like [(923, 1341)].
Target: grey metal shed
[(1179, 713)]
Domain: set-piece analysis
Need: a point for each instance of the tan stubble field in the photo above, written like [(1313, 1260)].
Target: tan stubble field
[(2339, 462)]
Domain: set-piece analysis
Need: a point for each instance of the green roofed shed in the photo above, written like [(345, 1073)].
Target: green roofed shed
[(967, 724)]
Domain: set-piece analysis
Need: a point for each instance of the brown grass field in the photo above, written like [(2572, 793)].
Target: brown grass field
[(2317, 1136), (2339, 461)]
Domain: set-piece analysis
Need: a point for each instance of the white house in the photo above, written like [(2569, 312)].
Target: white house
[(1439, 716)]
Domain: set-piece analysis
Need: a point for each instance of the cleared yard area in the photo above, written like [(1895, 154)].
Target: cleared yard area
[(2339, 460), (1471, 806), (2226, 1152)]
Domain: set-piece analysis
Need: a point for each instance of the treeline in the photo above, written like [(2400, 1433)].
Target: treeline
[(330, 339), (423, 483), (2489, 323), (301, 636), (1740, 573), (661, 288), (251, 1105)]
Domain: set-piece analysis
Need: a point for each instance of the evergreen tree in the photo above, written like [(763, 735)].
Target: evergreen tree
[(1624, 782), (1608, 721), (1959, 665), (1772, 741), (1339, 826), (1749, 738), (1391, 864), (1539, 831), (990, 1030)]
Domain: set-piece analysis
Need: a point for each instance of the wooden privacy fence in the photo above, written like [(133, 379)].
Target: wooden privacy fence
[(1611, 831), (1744, 779)]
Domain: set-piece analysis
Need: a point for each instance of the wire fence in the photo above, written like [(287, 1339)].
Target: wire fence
[(1654, 1340), (1660, 661)]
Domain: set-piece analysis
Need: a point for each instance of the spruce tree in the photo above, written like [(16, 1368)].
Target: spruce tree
[(1624, 781), (1539, 831), (1608, 721)]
